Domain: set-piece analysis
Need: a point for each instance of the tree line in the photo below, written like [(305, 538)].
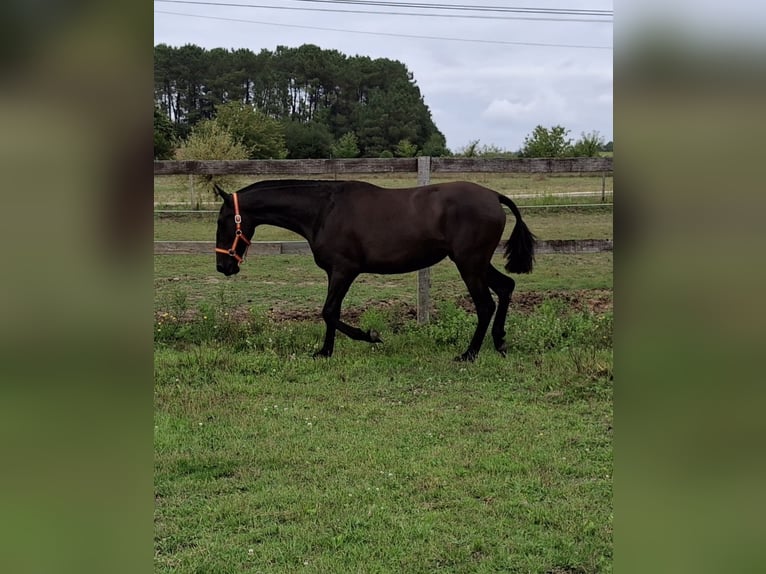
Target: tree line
[(307, 102), (315, 98)]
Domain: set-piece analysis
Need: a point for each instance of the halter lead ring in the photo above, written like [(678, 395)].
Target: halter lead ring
[(232, 251)]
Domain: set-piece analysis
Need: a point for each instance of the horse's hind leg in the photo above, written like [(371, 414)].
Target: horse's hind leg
[(485, 307), (503, 286)]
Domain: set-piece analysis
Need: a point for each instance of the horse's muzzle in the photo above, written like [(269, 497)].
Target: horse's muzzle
[(227, 270)]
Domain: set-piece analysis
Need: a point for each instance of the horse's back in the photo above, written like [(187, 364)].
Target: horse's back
[(436, 211), (419, 201), (423, 223)]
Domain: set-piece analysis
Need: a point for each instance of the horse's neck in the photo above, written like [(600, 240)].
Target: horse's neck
[(292, 209)]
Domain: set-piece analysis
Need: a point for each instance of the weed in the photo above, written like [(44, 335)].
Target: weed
[(554, 326), (179, 302), (451, 324), (374, 320), (589, 363)]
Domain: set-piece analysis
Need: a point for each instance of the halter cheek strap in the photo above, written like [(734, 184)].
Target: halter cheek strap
[(232, 251)]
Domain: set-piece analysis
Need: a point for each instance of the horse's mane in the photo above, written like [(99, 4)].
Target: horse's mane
[(290, 183), (303, 184)]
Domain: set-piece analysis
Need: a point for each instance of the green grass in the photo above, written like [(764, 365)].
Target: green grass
[(290, 283), (386, 458)]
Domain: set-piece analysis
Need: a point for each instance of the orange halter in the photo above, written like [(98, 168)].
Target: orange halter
[(239, 235)]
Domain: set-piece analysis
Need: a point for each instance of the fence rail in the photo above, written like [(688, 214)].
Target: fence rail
[(301, 167)]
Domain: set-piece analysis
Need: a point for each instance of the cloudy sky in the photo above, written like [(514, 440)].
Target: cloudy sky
[(486, 75)]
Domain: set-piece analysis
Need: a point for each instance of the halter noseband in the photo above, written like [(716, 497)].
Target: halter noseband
[(232, 252)]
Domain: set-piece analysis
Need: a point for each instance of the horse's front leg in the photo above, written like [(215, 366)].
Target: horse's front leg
[(369, 336), (337, 287)]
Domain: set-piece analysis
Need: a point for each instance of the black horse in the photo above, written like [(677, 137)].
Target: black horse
[(354, 227)]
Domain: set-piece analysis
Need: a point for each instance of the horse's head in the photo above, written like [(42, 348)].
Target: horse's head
[(231, 242)]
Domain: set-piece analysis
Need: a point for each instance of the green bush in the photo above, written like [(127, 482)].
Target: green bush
[(347, 146), (554, 326), (209, 322), (209, 140), (543, 142), (405, 148), (263, 137)]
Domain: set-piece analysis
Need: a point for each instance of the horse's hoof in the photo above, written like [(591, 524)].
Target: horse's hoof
[(466, 357), (502, 349), (374, 336), (321, 354)]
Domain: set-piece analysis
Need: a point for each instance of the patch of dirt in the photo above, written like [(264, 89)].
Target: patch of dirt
[(595, 301), (350, 314)]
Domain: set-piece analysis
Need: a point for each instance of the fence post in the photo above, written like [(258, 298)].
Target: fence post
[(424, 275), (603, 186)]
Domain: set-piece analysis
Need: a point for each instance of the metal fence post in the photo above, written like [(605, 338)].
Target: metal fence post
[(424, 275)]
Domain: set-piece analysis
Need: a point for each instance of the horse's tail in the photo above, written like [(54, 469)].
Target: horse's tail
[(520, 247)]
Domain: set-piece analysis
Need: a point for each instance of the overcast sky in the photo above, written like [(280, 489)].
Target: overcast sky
[(518, 71)]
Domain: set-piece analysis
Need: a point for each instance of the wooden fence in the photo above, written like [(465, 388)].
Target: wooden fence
[(302, 167), (422, 166)]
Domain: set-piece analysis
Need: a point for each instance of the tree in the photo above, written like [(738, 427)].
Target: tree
[(405, 148), (473, 149), (436, 146), (547, 143), (163, 135), (589, 145), (189, 66), (346, 146), (209, 140), (309, 140), (470, 150), (376, 99), (371, 121), (262, 137), (494, 151)]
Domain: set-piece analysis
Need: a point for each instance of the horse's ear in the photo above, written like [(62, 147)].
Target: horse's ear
[(221, 193)]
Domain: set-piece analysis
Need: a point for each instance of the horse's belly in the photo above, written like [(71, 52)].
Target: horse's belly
[(403, 257)]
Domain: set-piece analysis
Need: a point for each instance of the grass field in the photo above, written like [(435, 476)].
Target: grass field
[(389, 457)]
